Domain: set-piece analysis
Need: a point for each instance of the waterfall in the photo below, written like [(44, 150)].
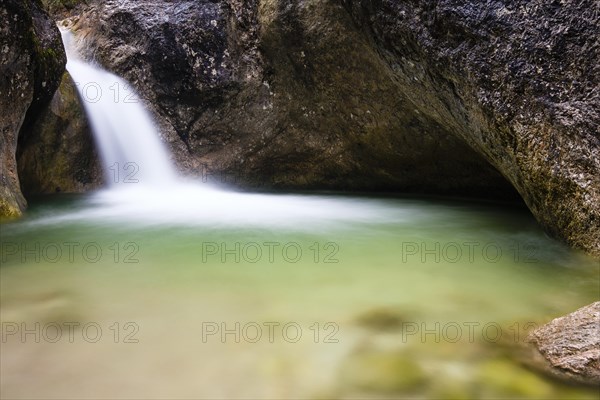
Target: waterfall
[(131, 152), (128, 141)]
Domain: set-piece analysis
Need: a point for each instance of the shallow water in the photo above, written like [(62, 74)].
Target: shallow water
[(210, 294)]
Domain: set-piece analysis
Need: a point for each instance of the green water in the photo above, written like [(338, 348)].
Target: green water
[(430, 303)]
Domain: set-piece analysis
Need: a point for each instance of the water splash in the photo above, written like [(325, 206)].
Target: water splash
[(128, 141), (132, 152)]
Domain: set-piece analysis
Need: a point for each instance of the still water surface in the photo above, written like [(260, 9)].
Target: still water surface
[(137, 294)]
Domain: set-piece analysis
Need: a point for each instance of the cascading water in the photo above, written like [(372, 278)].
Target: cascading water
[(148, 265), (145, 188), (128, 141)]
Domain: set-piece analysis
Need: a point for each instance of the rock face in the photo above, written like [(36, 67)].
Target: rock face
[(418, 95), (519, 81), (32, 61), (279, 95), (570, 345), (62, 8), (58, 154)]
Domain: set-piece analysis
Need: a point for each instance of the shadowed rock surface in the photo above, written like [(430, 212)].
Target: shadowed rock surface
[(32, 62), (570, 346), (410, 96), (58, 154), (279, 95), (519, 81)]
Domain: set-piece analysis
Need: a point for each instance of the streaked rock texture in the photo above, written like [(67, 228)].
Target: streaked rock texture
[(517, 80), (280, 95), (447, 96), (570, 345), (32, 62), (58, 154)]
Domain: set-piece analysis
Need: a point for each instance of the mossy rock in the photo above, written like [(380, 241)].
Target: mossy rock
[(382, 372), (8, 211), (381, 319), (502, 377), (60, 153)]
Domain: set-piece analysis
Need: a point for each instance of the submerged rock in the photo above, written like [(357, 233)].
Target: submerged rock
[(58, 154), (570, 346), (502, 376), (381, 319), (32, 61), (382, 372)]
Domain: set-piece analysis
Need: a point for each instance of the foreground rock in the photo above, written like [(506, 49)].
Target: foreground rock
[(279, 95), (58, 153), (32, 62), (569, 347), (516, 80)]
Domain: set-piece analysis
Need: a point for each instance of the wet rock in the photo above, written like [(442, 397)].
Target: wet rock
[(277, 94), (58, 154), (417, 96), (32, 62), (569, 347), (60, 9), (516, 80)]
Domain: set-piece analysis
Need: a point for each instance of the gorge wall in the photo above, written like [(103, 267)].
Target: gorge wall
[(32, 61), (58, 154), (448, 97), (279, 95), (519, 81)]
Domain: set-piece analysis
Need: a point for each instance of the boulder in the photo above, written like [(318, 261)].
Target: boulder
[(569, 347), (519, 81)]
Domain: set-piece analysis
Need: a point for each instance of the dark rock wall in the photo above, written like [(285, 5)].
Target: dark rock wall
[(59, 154), (519, 81), (279, 95), (60, 9), (32, 61), (445, 96)]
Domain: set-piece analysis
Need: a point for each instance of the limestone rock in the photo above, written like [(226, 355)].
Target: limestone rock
[(570, 345)]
